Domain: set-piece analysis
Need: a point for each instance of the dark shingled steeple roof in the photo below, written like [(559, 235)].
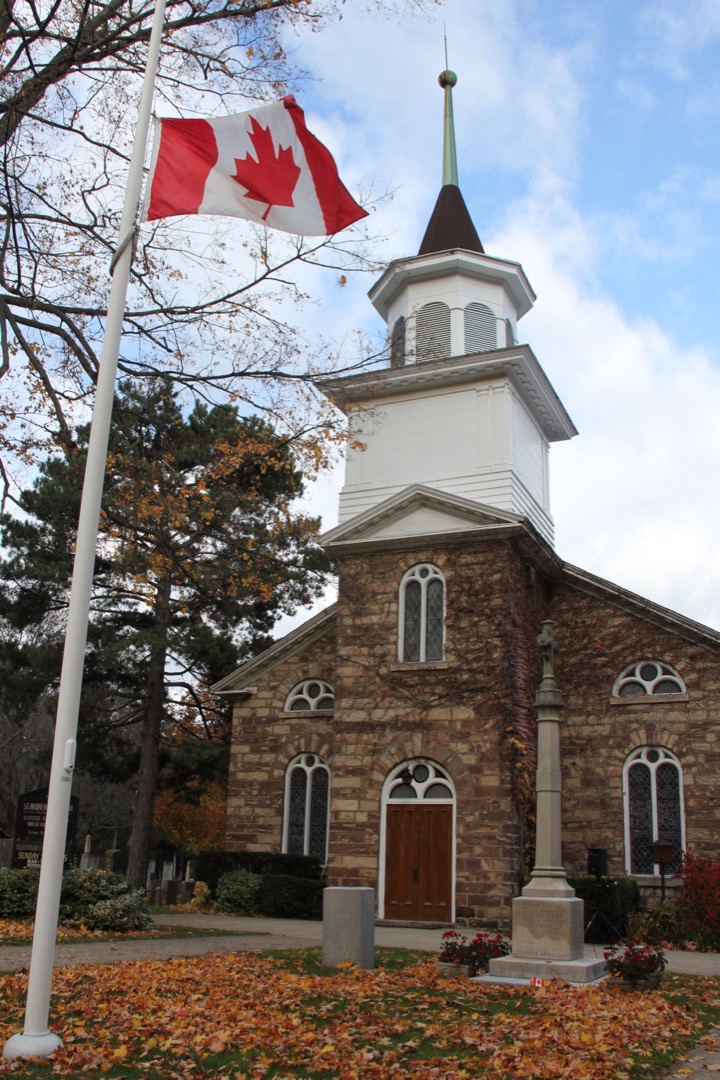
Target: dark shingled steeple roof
[(450, 225)]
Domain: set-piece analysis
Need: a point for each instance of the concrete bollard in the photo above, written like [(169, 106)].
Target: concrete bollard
[(349, 926)]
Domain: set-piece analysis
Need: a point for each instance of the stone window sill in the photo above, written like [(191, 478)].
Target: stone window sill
[(648, 699), (427, 665)]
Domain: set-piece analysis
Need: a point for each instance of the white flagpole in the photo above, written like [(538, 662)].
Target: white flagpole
[(36, 1040)]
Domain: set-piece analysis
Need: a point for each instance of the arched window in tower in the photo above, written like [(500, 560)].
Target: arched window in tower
[(397, 343), (307, 799), (653, 797), (480, 332), (422, 615), (432, 331)]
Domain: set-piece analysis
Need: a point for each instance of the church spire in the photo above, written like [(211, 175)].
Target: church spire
[(447, 80), (450, 224)]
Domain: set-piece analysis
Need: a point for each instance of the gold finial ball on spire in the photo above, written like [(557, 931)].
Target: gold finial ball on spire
[(447, 78)]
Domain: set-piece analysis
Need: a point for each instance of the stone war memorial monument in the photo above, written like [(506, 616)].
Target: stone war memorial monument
[(548, 919)]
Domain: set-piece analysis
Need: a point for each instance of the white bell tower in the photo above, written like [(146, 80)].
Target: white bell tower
[(461, 408)]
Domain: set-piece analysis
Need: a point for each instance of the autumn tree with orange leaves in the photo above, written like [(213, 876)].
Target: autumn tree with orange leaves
[(210, 306), (200, 551)]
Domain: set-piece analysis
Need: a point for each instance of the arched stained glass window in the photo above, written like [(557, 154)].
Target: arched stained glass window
[(422, 614), (307, 801), (653, 807), (432, 331)]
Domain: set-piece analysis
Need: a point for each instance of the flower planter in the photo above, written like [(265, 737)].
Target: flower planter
[(650, 982), (453, 971)]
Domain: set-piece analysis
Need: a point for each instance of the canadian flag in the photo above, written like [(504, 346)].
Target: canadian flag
[(263, 165)]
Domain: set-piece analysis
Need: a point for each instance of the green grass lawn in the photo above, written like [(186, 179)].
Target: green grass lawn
[(246, 1016), (20, 933)]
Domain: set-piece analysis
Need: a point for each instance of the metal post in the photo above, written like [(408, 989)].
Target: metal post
[(36, 1040)]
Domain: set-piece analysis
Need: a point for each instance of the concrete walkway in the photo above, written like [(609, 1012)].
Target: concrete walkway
[(255, 934)]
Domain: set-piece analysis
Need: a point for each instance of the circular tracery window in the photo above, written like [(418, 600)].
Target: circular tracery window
[(419, 780), (312, 695), (648, 677)]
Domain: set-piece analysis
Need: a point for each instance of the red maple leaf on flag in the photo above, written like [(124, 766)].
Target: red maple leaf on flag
[(273, 177)]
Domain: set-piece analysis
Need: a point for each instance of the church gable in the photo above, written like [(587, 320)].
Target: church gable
[(420, 512), (300, 646)]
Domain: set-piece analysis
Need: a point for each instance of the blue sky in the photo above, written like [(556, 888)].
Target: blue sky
[(588, 151)]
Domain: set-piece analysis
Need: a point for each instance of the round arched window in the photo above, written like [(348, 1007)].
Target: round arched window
[(418, 780), (648, 677), (312, 695)]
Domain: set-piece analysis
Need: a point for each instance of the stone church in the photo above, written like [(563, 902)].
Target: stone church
[(394, 734)]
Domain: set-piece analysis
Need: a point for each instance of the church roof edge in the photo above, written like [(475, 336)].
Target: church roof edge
[(517, 363), (301, 636)]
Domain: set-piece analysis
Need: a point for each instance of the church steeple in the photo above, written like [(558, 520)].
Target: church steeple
[(462, 409), (450, 224)]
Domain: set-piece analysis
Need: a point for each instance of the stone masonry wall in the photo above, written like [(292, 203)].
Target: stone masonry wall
[(598, 639), (265, 739), (455, 713), (473, 715)]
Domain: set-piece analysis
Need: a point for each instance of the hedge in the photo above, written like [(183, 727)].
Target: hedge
[(278, 895), (211, 865)]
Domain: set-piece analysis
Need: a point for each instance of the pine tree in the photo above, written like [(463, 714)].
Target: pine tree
[(199, 552)]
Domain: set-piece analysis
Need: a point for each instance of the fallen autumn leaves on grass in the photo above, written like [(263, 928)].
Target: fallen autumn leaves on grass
[(249, 1016)]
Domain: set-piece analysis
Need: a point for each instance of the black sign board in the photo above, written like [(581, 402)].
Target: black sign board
[(30, 828)]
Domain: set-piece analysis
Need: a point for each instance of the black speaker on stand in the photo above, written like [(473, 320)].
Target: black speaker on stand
[(597, 867)]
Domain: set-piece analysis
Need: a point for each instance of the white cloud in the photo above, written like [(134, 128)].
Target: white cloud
[(633, 495), (631, 498)]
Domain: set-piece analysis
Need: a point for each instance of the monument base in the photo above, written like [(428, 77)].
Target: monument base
[(585, 970), (548, 928)]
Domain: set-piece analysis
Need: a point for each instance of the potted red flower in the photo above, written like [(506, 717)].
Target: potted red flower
[(636, 967), (458, 956)]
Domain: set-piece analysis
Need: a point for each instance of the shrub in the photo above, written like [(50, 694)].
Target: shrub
[(82, 891), (102, 900), (699, 901), (83, 888), (18, 893), (614, 898), (635, 962), (659, 925), (285, 897), (237, 892), (200, 896), (127, 911)]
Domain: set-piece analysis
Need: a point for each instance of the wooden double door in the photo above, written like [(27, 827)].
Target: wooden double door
[(418, 862)]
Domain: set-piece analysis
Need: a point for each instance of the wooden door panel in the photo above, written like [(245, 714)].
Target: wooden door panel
[(400, 852), (418, 862), (435, 866)]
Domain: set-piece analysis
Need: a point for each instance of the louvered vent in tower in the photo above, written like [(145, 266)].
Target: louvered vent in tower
[(397, 343), (432, 331), (480, 335)]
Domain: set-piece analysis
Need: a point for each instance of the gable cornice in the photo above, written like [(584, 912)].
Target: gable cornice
[(239, 682), (635, 604), (470, 514)]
